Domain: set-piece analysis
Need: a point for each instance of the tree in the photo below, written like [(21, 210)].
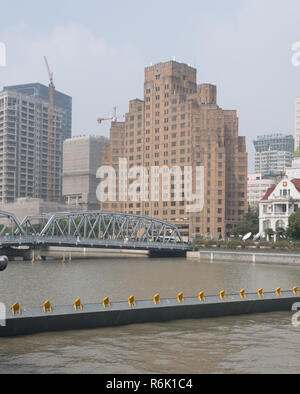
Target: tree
[(281, 233), (269, 233), (297, 153), (294, 225), (249, 224)]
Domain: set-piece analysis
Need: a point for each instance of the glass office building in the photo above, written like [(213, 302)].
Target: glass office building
[(274, 154)]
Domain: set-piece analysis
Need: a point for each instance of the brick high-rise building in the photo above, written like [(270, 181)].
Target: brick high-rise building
[(180, 124)]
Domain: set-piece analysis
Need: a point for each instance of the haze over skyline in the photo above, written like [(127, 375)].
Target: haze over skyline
[(98, 52)]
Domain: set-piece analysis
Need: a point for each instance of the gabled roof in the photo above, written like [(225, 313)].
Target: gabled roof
[(296, 183), (269, 192)]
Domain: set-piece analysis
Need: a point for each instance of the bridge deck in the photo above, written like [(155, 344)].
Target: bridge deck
[(19, 241)]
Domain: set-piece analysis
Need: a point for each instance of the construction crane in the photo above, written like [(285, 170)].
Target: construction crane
[(51, 137), (113, 118)]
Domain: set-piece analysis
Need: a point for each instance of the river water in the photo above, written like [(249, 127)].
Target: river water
[(242, 344)]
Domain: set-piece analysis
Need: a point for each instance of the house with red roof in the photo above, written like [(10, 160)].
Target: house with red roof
[(278, 204)]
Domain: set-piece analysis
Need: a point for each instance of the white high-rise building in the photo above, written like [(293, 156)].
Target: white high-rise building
[(297, 124), (24, 147)]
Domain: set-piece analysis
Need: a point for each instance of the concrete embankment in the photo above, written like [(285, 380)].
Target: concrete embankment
[(51, 318), (254, 257), (89, 253), (56, 253)]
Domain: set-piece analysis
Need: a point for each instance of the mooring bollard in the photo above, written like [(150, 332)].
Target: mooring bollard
[(47, 307), (222, 295), (106, 303), (180, 298), (278, 292), (260, 293), (296, 290), (15, 309), (131, 301), (78, 305), (156, 299), (201, 296)]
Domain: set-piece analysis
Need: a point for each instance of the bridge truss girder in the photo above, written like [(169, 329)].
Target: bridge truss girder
[(33, 225), (9, 225), (98, 225)]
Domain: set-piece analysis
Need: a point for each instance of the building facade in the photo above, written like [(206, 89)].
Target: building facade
[(297, 124), (257, 188), (179, 124), (40, 91), (274, 154), (24, 207), (24, 147), (294, 171), (81, 160), (279, 203)]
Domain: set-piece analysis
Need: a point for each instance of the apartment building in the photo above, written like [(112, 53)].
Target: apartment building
[(81, 160), (24, 147), (179, 124), (40, 91)]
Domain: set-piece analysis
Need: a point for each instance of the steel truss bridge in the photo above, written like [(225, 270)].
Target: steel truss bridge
[(95, 229)]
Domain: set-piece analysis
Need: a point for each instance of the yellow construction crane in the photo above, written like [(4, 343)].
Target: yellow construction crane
[(51, 137), (113, 118)]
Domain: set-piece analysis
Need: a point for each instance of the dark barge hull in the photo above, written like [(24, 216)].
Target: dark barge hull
[(93, 316)]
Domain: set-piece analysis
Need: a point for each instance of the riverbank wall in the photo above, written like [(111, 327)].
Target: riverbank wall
[(255, 257)]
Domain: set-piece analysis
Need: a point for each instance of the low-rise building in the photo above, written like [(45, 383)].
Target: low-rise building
[(294, 171), (278, 204), (257, 188), (24, 207)]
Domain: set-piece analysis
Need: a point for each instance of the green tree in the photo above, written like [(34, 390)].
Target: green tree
[(294, 225), (269, 233), (297, 153), (249, 224), (281, 233)]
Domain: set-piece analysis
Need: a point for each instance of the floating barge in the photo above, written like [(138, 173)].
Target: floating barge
[(93, 316)]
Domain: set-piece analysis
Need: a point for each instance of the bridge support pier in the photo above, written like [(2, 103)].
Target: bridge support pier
[(156, 253)]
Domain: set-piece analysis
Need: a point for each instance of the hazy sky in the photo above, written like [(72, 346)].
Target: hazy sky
[(98, 50)]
